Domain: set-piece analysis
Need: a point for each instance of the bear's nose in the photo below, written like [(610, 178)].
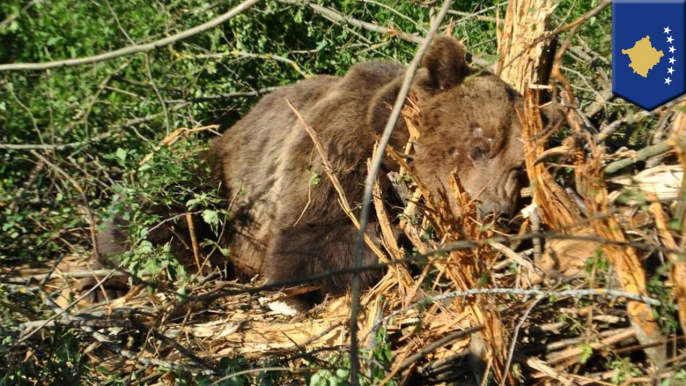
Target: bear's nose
[(493, 209)]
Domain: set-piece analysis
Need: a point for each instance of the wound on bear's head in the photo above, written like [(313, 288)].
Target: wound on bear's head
[(446, 62)]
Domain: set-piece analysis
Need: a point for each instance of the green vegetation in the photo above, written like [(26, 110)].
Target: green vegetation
[(102, 124)]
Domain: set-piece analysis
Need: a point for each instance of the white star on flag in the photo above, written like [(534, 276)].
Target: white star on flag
[(670, 70)]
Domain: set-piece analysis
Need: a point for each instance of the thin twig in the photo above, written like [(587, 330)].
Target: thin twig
[(438, 344), (157, 93), (338, 17), (109, 133), (610, 129), (369, 186), (64, 310), (523, 293), (265, 369), (513, 344), (82, 193), (249, 55), (12, 18), (52, 270), (181, 348)]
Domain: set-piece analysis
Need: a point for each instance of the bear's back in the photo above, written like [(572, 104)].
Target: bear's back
[(263, 159)]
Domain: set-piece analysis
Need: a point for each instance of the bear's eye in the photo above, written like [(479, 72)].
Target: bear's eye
[(478, 151)]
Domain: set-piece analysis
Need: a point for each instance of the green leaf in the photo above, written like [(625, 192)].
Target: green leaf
[(342, 373), (121, 154), (211, 217), (153, 267), (586, 352)]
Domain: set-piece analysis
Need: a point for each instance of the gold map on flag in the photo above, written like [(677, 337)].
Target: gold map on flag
[(643, 56)]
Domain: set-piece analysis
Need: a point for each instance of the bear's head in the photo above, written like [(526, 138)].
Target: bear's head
[(469, 124)]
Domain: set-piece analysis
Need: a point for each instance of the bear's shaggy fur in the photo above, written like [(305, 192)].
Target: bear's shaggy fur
[(285, 227)]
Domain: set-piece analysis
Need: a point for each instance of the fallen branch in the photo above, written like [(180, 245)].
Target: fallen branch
[(644, 154), (448, 247), (74, 275), (574, 353), (539, 294)]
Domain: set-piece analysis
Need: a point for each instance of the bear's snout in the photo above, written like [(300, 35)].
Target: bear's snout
[(497, 209)]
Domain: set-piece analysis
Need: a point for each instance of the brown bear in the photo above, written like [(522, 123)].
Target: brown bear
[(285, 227)]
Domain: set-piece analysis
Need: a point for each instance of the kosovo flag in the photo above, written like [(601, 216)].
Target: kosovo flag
[(648, 51)]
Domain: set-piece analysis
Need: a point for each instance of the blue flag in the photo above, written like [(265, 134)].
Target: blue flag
[(648, 51)]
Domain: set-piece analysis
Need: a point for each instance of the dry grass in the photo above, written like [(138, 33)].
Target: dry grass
[(418, 311)]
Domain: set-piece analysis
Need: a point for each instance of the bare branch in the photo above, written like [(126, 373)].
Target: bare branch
[(135, 48), (645, 153)]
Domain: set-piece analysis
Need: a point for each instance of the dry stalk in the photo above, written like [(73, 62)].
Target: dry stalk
[(342, 200), (465, 269), (172, 138), (389, 240), (521, 45), (677, 271), (679, 131), (557, 210), (194, 241), (411, 115), (624, 261), (572, 355), (411, 231)]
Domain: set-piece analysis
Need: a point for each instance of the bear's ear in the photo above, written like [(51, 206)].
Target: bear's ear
[(446, 62)]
